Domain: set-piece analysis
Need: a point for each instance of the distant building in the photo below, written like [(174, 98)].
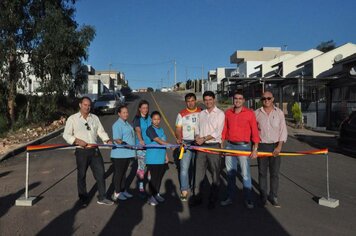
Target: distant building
[(248, 61)]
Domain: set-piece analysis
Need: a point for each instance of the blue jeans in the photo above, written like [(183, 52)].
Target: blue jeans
[(185, 182), (244, 167)]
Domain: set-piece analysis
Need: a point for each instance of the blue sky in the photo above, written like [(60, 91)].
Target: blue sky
[(142, 37)]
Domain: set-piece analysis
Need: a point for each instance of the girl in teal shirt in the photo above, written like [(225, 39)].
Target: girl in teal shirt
[(156, 158)]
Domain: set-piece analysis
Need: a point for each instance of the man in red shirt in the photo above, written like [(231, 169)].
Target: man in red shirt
[(240, 130)]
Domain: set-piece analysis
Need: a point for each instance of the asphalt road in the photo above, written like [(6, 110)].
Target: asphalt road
[(53, 181)]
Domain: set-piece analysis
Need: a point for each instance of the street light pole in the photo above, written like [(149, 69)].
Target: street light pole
[(175, 72)]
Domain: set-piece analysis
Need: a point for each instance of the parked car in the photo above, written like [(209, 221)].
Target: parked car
[(126, 91), (347, 138), (107, 103), (121, 96), (164, 89)]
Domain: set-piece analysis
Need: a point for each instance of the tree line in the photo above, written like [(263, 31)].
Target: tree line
[(42, 38)]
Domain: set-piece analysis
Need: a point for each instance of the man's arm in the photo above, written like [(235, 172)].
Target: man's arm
[(255, 138), (101, 132)]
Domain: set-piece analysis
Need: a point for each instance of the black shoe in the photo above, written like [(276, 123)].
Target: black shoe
[(211, 205), (83, 201), (264, 202), (274, 202), (249, 204), (195, 201)]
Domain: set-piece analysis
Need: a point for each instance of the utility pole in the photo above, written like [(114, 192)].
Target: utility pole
[(202, 79), (175, 72), (168, 76)]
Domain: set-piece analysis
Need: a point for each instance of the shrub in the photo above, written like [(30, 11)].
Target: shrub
[(297, 113)]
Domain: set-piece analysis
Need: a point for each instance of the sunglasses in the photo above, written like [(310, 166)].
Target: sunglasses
[(88, 127), (266, 98)]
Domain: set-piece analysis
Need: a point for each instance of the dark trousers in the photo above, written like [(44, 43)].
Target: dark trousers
[(157, 171), (85, 158), (271, 163), (119, 176), (203, 162)]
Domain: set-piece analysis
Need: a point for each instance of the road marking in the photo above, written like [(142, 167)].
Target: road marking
[(164, 117)]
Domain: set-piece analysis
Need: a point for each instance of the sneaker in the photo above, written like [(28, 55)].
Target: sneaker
[(118, 196), (226, 202), (183, 197), (159, 198), (127, 194), (105, 201), (274, 202), (152, 201), (249, 204)]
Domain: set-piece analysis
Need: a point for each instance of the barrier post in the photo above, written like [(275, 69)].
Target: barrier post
[(26, 200), (328, 202)]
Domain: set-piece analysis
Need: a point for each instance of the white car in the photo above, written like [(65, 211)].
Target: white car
[(107, 103), (164, 89)]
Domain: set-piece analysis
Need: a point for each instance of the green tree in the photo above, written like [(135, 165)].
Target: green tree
[(326, 46), (46, 32), (15, 41), (61, 45)]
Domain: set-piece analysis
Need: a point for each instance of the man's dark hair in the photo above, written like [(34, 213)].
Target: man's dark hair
[(238, 93), (83, 98), (208, 94), (155, 113), (190, 95)]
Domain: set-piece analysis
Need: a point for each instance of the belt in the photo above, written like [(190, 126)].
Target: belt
[(238, 143), (270, 143), (210, 144)]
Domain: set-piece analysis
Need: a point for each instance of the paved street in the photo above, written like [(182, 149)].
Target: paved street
[(53, 180)]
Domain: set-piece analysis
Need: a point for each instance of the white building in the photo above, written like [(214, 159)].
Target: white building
[(322, 65), (267, 69), (248, 61), (216, 76), (289, 67)]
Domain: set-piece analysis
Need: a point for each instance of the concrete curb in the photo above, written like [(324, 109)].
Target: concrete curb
[(34, 142)]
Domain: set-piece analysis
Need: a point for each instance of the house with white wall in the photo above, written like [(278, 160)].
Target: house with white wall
[(321, 66), (288, 68), (267, 69), (247, 61)]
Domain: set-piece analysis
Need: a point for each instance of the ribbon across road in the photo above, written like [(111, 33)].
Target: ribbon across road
[(182, 149)]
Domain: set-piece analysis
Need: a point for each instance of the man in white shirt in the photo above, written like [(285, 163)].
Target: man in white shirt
[(82, 129), (208, 133)]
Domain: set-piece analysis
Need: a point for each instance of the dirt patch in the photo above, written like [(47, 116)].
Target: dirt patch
[(22, 136)]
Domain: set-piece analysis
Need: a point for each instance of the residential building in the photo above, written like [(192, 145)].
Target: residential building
[(247, 61), (322, 65), (288, 67)]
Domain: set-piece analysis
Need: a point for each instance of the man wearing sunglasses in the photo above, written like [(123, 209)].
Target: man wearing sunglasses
[(82, 129), (240, 130), (273, 133)]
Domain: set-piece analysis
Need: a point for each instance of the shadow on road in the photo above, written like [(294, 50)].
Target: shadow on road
[(5, 173), (63, 224), (323, 142), (8, 201)]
